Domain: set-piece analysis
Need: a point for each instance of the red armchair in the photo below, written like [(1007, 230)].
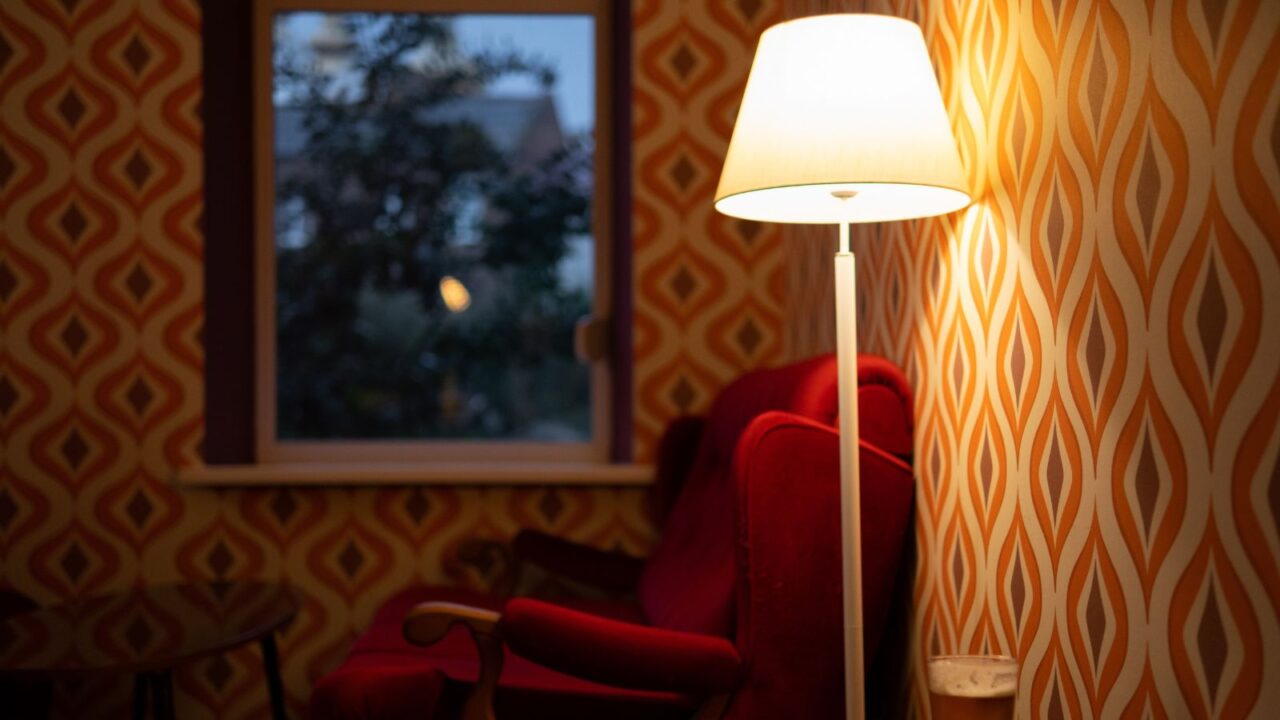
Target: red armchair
[(737, 612)]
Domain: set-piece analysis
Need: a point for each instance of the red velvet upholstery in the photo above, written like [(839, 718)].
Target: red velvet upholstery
[(688, 582), (742, 593), (789, 594), (385, 677), (620, 653)]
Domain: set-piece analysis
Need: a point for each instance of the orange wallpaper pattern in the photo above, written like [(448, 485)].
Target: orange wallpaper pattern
[(1095, 347), (101, 311), (1092, 344), (709, 288)]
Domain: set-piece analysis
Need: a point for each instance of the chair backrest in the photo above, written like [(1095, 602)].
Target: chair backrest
[(789, 606), (688, 582)]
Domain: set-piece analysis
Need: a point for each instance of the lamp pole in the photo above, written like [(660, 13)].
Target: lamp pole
[(881, 130), (850, 486)]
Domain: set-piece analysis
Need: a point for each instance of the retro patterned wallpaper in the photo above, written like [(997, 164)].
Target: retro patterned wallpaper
[(1095, 347), (709, 289), (1093, 344), (100, 320)]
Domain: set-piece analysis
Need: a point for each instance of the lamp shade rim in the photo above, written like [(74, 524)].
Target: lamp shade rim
[(825, 209)]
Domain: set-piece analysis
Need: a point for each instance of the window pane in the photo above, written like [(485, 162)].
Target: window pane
[(433, 225)]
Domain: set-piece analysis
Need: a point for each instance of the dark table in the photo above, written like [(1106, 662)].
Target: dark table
[(146, 632)]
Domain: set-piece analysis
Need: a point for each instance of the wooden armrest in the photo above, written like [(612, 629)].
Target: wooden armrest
[(427, 622)]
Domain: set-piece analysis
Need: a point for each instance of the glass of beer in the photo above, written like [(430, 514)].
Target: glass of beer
[(972, 687)]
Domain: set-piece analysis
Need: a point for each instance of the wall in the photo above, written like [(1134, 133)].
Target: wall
[(709, 288), (100, 336), (1094, 346)]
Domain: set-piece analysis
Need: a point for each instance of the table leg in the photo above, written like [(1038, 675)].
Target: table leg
[(140, 696), (271, 665), (162, 694)]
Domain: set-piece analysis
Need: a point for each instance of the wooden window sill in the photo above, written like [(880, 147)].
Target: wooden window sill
[(455, 473)]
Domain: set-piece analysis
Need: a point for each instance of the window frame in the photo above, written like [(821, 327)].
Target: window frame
[(610, 375)]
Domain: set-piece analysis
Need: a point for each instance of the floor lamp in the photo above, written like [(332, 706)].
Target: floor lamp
[(842, 122)]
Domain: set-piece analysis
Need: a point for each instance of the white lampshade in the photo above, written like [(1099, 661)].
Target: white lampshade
[(841, 103)]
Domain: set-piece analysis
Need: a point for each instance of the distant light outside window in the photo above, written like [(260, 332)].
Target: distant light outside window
[(434, 241)]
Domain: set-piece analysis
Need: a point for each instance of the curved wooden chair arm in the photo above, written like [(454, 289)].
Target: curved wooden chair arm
[(426, 623), (494, 561)]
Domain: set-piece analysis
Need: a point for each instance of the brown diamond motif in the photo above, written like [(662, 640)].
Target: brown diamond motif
[(683, 283), (1211, 641), (683, 394), (1211, 317), (417, 505), (74, 562), (1273, 494), (137, 55), (748, 337), (70, 5), (1017, 361), (749, 8), (8, 396), (683, 172), (8, 510), (218, 673), (6, 168), (1147, 192), (74, 336), (283, 506), (1055, 226), (551, 505), (1017, 587), (1213, 14), (1054, 710), (138, 282), (139, 508), (73, 222), (71, 108), (1146, 483), (1096, 81), (984, 468), (748, 230), (1095, 352), (1054, 473), (1095, 615), (7, 281), (138, 169), (139, 396), (683, 61), (220, 559), (139, 634), (351, 559), (957, 371), (957, 567), (6, 52), (74, 449)]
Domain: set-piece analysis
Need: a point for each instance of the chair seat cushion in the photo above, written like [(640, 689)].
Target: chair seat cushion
[(384, 676)]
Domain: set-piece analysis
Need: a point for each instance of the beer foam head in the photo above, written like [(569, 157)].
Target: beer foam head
[(973, 676)]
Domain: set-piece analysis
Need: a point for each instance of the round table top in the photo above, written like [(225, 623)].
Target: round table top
[(143, 629)]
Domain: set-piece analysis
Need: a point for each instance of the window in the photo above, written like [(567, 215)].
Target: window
[(433, 196)]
